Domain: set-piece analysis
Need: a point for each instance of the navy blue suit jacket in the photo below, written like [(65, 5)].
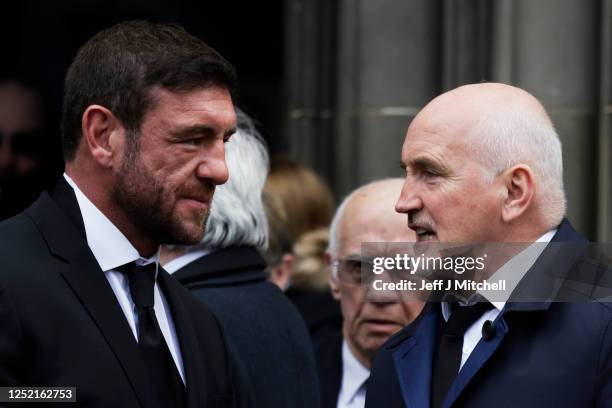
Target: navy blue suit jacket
[(266, 332), (543, 354)]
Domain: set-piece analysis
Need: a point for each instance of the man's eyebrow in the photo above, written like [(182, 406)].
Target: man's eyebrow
[(353, 256), (201, 130), (425, 162), (195, 129)]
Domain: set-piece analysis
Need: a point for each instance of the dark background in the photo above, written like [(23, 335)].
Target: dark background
[(335, 83), (38, 40)]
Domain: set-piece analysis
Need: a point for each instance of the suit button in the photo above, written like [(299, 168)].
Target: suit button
[(488, 330)]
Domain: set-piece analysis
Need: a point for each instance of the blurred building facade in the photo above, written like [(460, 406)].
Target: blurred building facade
[(335, 83), (357, 72)]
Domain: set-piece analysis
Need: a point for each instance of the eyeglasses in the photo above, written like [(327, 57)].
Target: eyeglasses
[(349, 270)]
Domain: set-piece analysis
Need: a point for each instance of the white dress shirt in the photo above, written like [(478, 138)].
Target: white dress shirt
[(513, 272), (354, 375), (112, 249)]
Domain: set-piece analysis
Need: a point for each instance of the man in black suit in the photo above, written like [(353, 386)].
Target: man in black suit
[(344, 361), (83, 302), (227, 272), (483, 165)]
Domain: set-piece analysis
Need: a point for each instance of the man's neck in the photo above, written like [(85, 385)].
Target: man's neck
[(101, 199), (363, 358)]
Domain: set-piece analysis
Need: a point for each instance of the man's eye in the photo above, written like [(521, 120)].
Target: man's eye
[(193, 142)]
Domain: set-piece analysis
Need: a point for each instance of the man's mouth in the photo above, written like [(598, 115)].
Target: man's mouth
[(199, 203), (423, 233), (381, 325)]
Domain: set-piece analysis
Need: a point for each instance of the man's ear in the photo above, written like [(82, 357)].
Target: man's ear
[(333, 280), (280, 275), (520, 189), (104, 135)]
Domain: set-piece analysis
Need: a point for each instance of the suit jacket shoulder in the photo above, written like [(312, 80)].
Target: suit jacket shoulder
[(60, 322), (267, 334)]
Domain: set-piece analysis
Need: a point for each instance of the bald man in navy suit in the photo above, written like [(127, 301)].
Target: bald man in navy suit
[(483, 165)]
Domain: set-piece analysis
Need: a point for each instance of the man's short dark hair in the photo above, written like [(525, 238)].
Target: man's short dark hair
[(118, 67)]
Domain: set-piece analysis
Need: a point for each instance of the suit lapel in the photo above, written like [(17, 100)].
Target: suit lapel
[(483, 351), (414, 357), (547, 275), (195, 377), (82, 273)]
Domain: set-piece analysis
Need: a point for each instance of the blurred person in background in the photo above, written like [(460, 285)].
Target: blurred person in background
[(344, 360), (307, 204), (279, 255), (227, 272), (27, 147)]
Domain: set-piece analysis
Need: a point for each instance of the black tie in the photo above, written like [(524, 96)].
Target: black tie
[(447, 356), (165, 378)]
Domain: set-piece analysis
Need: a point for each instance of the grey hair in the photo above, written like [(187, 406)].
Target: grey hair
[(516, 135), (237, 215)]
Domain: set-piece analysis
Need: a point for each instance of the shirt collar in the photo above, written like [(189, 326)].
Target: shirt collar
[(109, 246), (177, 263), (354, 374), (512, 272)]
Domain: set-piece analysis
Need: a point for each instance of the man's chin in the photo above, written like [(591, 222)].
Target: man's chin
[(185, 232), (192, 235)]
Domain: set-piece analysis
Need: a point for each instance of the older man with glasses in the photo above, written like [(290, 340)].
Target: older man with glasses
[(344, 362)]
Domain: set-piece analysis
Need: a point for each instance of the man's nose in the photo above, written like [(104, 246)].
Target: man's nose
[(214, 167), (409, 199)]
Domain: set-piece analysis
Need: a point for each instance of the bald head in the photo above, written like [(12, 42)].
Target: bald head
[(368, 215), (476, 133), (469, 104)]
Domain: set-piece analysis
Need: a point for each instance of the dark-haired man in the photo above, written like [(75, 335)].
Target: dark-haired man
[(83, 301)]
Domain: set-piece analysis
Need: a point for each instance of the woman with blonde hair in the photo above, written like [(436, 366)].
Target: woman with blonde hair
[(304, 204)]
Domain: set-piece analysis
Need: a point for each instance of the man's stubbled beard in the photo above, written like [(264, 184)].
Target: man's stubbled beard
[(143, 199)]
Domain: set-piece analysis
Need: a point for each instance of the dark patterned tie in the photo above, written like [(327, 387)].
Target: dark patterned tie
[(164, 374), (447, 355)]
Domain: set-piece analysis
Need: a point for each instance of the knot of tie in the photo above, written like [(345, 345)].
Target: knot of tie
[(142, 282), (462, 317)]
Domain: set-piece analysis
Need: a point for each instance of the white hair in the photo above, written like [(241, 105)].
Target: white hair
[(516, 135), (237, 215)]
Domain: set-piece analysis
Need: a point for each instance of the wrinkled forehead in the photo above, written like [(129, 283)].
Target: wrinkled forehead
[(371, 220), (440, 131)]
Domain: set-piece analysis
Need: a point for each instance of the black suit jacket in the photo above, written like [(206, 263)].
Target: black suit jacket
[(265, 330), (329, 366), (61, 324), (320, 311)]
